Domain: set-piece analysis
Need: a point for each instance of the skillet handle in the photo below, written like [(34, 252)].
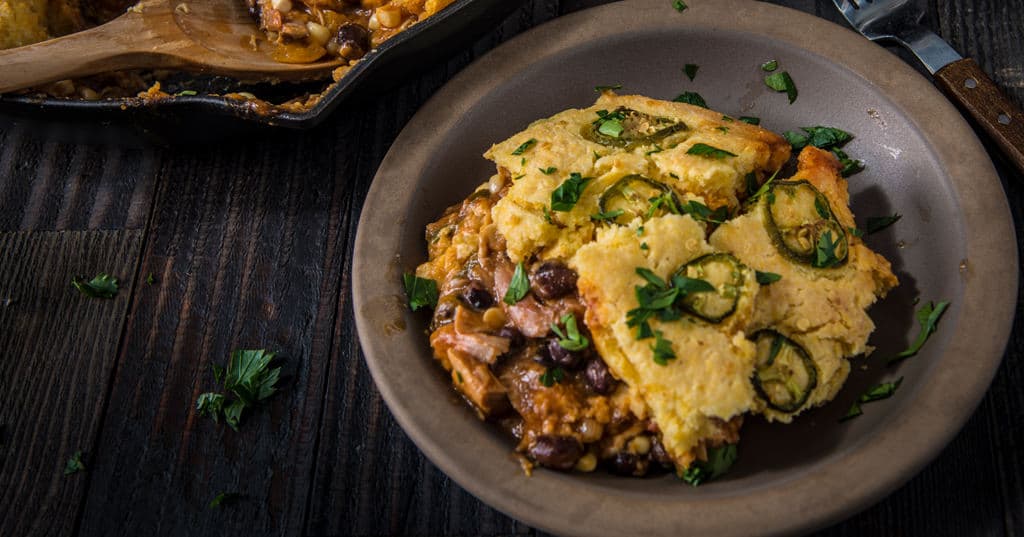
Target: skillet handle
[(977, 94)]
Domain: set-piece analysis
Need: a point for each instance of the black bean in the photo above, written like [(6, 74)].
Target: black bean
[(558, 452), (353, 41), (552, 279), (515, 337), (562, 358), (477, 297), (599, 379), (629, 464)]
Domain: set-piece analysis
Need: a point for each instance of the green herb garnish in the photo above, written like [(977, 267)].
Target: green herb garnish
[(643, 246), (74, 464), (224, 498), (875, 393), (826, 251), (849, 166), (610, 215), (702, 213), (876, 224), (422, 292), (766, 278), (549, 170), (680, 5), (658, 298), (664, 199), (249, 378), (751, 120), (524, 146), (571, 339), (691, 97), (705, 150), (725, 130), (518, 287), (691, 71), (770, 65), (720, 459), (820, 137), (662, 349), (102, 286), (186, 93), (564, 197), (782, 82), (552, 376), (928, 317)]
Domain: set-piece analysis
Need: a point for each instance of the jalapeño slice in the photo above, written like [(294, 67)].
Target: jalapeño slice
[(725, 274), (803, 225), (628, 128), (636, 195), (785, 375)]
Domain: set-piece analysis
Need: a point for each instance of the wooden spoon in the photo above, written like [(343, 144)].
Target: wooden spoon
[(209, 36)]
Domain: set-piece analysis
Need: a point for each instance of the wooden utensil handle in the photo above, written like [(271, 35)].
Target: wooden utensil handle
[(964, 81)]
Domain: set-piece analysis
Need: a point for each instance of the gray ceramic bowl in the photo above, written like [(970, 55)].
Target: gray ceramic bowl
[(954, 243)]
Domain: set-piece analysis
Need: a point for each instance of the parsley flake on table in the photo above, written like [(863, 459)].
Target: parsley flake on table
[(691, 70), (720, 459), (564, 197), (524, 146), (518, 287), (552, 376), (74, 464), (691, 97), (878, 223), (679, 5), (928, 317), (782, 83), (248, 377), (766, 278), (878, 392), (102, 286), (224, 498), (707, 151), (770, 65), (570, 339), (422, 292)]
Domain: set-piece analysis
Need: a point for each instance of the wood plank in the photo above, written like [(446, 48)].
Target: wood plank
[(58, 354), (245, 247)]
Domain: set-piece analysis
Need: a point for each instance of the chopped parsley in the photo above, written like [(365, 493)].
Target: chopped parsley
[(549, 170), (702, 213), (691, 71), (102, 286), (662, 349), (422, 292), (640, 231), (564, 197), (570, 339), (849, 166), (691, 97), (876, 224), (547, 216), (766, 278), (679, 5), (224, 498), (643, 246), (74, 464), (248, 377), (821, 137), (150, 280), (725, 130), (658, 298), (657, 149), (600, 89), (552, 376), (782, 82), (518, 287), (928, 317), (751, 120), (822, 209), (855, 232), (875, 393), (186, 93), (770, 65), (665, 199), (610, 215), (705, 150), (524, 146), (720, 459), (826, 251)]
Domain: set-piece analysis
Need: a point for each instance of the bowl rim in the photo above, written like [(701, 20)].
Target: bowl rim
[(331, 97), (954, 390)]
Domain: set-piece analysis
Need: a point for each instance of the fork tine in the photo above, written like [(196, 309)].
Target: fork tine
[(845, 6)]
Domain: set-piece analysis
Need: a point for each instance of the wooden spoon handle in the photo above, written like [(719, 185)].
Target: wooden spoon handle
[(964, 81), (124, 43)]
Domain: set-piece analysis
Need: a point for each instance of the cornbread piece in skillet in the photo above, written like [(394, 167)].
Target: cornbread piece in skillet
[(618, 137), (800, 229), (307, 30)]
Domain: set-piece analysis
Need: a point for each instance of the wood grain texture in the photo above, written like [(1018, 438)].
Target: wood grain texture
[(58, 348), (976, 94)]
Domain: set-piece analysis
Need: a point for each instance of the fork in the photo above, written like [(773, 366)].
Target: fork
[(960, 78)]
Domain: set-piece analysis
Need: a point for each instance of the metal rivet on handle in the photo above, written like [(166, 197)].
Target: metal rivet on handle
[(970, 83), (1004, 119)]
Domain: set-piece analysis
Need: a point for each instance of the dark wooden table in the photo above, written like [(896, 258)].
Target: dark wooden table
[(250, 247)]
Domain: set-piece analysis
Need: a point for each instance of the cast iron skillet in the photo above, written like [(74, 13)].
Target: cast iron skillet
[(203, 118)]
